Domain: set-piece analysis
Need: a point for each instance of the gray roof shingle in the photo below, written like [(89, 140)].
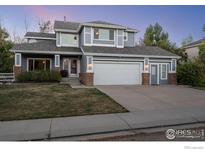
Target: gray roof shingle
[(74, 26), (194, 43), (103, 23), (66, 25), (43, 35), (138, 50), (50, 45), (44, 46)]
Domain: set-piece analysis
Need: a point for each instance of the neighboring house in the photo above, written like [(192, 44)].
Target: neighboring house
[(98, 53), (192, 49)]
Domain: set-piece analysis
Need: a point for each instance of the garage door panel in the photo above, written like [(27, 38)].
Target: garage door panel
[(117, 73)]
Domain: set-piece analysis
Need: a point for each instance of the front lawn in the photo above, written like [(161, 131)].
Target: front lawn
[(30, 101)]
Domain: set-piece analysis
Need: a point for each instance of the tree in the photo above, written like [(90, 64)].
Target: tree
[(26, 25), (156, 36), (45, 26), (187, 40), (202, 52), (6, 57)]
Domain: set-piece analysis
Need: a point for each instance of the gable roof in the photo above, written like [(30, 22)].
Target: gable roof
[(40, 35), (104, 23), (62, 25), (75, 26), (193, 44), (44, 46), (133, 51)]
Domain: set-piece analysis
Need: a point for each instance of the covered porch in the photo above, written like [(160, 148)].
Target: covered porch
[(68, 65)]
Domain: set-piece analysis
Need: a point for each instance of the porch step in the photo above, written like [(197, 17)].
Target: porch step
[(71, 81)]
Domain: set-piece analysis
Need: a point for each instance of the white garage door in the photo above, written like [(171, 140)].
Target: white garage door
[(117, 73)]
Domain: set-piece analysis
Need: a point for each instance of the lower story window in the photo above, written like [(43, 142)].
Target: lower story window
[(39, 64), (164, 71)]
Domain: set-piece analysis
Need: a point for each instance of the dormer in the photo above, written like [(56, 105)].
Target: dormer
[(99, 33), (36, 36), (67, 34)]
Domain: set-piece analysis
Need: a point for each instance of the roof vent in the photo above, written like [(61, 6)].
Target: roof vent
[(64, 18)]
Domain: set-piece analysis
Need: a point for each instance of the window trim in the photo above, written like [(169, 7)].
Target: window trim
[(99, 34), (173, 61), (161, 77), (57, 57), (16, 55), (27, 68)]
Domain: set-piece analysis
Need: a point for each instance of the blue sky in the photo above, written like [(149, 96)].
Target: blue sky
[(178, 21)]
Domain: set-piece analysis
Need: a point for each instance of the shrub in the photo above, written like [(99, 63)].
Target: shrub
[(64, 73), (54, 76), (39, 76), (190, 73)]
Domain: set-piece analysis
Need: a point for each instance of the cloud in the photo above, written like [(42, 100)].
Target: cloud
[(41, 12)]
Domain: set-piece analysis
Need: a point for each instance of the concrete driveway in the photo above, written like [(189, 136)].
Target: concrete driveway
[(147, 98)]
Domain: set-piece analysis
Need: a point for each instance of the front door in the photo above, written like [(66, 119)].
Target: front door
[(154, 75), (73, 67)]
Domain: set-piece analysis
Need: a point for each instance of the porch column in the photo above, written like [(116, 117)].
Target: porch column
[(17, 67), (146, 74), (57, 63), (87, 77)]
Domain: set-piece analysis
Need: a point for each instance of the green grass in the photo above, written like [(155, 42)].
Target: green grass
[(32, 101)]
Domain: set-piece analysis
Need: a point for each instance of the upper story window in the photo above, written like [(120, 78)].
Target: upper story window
[(68, 39), (103, 34)]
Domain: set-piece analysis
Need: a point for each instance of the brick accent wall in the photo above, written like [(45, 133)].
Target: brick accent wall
[(172, 78), (86, 78), (17, 70), (145, 78)]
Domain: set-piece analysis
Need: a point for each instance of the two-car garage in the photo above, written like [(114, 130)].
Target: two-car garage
[(117, 73)]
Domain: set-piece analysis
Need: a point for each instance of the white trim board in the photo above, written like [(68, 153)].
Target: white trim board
[(47, 52), (128, 55), (42, 38)]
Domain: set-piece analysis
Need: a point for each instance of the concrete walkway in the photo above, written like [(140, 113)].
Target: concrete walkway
[(83, 125)]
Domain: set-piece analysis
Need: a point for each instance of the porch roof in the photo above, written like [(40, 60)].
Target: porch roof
[(139, 51), (48, 46)]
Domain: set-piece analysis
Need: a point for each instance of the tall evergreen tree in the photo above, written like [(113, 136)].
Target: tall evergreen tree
[(6, 57), (156, 36)]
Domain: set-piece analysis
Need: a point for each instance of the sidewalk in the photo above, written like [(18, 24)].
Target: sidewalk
[(84, 125)]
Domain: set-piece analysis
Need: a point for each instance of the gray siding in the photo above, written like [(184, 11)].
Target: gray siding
[(168, 68), (83, 64), (81, 37), (25, 56), (160, 80), (88, 35), (104, 42), (120, 38), (130, 40)]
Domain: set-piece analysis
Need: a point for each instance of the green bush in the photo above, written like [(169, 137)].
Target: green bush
[(190, 73), (39, 76)]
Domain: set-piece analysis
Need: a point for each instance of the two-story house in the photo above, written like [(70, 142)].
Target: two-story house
[(98, 53), (192, 49)]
